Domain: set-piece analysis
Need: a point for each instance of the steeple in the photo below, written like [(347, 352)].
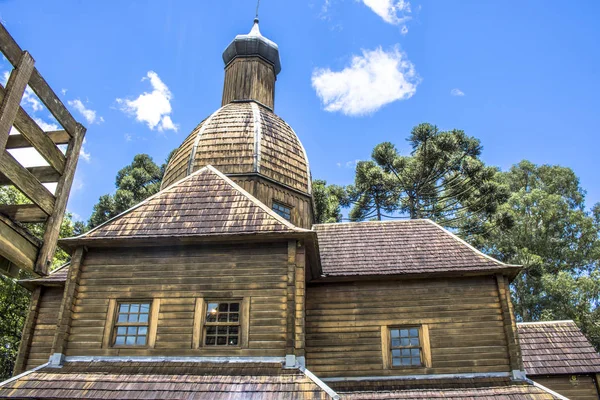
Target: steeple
[(251, 67)]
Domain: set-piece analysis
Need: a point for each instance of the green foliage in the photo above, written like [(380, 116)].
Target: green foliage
[(327, 200), (135, 183), (442, 179), (556, 240), (14, 304)]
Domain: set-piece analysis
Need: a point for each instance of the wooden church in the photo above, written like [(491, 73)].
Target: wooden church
[(221, 287)]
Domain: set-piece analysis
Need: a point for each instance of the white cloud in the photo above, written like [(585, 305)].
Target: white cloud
[(64, 91), (88, 114), (153, 108), (372, 80), (87, 157), (396, 12), (46, 127), (457, 92)]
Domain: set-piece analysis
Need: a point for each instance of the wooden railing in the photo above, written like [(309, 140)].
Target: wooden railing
[(19, 249)]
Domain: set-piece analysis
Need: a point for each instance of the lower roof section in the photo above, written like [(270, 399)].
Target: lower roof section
[(165, 380)]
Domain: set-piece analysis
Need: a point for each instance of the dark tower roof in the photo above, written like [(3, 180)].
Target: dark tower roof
[(253, 44)]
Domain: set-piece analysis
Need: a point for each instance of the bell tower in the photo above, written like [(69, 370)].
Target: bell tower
[(251, 67)]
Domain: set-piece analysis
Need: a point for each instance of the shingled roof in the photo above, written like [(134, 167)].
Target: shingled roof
[(206, 203), (512, 392), (166, 380), (556, 347), (398, 248), (57, 277)]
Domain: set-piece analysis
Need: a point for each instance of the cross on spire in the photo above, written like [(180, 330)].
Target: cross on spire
[(257, 7)]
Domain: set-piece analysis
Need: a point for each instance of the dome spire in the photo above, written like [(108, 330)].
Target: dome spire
[(251, 66)]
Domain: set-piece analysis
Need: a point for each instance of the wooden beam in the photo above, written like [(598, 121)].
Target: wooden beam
[(42, 174), (63, 189), (19, 141), (17, 82), (64, 315), (510, 324), (37, 138), (26, 183), (28, 329), (24, 213), (12, 52), (15, 247)]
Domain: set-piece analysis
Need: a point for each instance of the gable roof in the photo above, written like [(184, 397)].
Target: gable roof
[(398, 248), (165, 380), (206, 203), (556, 347)]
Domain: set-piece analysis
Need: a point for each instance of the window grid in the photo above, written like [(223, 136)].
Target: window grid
[(222, 325), (131, 326), (406, 347), (282, 210)]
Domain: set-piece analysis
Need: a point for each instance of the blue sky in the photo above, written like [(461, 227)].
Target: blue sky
[(355, 73)]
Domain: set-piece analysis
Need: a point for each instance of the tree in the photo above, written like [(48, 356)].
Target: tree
[(442, 179), (328, 200), (135, 183), (372, 194), (556, 240)]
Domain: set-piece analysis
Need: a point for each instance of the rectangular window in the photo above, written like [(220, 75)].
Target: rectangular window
[(406, 347), (132, 324), (222, 325), (282, 210)]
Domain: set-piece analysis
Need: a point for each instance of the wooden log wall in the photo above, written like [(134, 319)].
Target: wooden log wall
[(178, 276), (463, 315), (267, 191), (249, 78), (584, 387), (40, 328)]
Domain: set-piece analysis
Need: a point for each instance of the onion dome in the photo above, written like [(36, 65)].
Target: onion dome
[(243, 138), (254, 44)]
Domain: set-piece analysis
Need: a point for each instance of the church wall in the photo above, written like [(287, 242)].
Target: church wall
[(345, 323), (576, 387), (45, 318), (267, 191), (181, 278)]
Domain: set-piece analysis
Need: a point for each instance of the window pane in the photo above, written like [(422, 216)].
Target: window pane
[(414, 332), (211, 330), (221, 340), (414, 341), (134, 308), (223, 307), (405, 361), (141, 340), (233, 341), (404, 342), (234, 307), (211, 318), (415, 352), (124, 308), (143, 317), (121, 330), (416, 361), (406, 352), (120, 340), (130, 341), (222, 317), (404, 333), (132, 330), (396, 362), (211, 340), (222, 330), (395, 342), (142, 330), (133, 318), (122, 318), (234, 317), (145, 308), (233, 330), (395, 333), (395, 353), (212, 307)]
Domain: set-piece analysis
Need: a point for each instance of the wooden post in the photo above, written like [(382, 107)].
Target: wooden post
[(17, 82), (28, 329), (299, 298), (64, 315), (62, 195), (510, 325), (291, 304)]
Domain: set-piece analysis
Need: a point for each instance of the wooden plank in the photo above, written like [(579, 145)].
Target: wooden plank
[(510, 326), (109, 323), (198, 318), (42, 174), (17, 82), (153, 323), (63, 189), (27, 183), (28, 330), (19, 141), (37, 138), (63, 330), (24, 213), (15, 247)]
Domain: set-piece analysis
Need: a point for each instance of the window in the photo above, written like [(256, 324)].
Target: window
[(132, 323), (222, 324), (406, 347), (283, 210)]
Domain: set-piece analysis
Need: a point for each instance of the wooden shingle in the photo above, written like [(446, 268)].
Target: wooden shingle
[(556, 347), (397, 248)]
